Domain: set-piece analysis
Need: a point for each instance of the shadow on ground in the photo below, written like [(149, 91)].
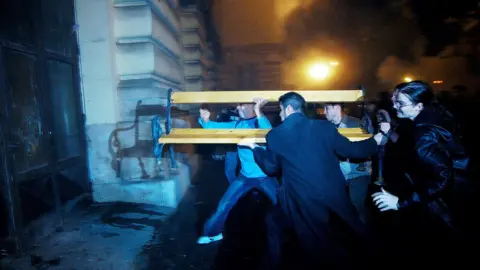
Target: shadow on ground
[(174, 242), (132, 216), (244, 246)]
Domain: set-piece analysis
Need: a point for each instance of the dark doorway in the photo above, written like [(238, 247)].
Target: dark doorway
[(43, 145)]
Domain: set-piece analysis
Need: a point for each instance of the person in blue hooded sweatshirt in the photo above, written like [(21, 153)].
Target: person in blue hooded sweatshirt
[(251, 175)]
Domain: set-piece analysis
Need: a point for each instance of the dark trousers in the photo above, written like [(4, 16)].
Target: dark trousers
[(320, 246), (419, 237), (338, 240), (358, 191), (276, 222), (239, 187)]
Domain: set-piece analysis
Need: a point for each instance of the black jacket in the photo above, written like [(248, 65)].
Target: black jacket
[(306, 152), (429, 164)]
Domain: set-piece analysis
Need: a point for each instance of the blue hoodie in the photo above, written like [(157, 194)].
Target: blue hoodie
[(249, 168)]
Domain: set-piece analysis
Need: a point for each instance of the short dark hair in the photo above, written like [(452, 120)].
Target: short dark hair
[(206, 106), (341, 105), (417, 92), (295, 100)]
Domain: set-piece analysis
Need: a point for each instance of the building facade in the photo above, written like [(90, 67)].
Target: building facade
[(255, 67), (82, 82), (199, 60), (252, 34), (131, 54)]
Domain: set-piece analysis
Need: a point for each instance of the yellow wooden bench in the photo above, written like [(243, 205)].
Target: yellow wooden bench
[(319, 96), (233, 136)]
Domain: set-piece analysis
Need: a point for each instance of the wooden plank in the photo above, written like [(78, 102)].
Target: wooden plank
[(231, 140), (241, 132), (271, 95), (233, 136)]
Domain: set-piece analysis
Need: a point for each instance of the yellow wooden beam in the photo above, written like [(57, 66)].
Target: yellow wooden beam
[(271, 95), (241, 132), (233, 136)]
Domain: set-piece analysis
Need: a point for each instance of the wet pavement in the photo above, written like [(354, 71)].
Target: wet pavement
[(132, 236), (129, 236)]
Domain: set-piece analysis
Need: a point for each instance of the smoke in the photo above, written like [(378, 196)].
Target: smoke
[(283, 8), (360, 34), (393, 69)]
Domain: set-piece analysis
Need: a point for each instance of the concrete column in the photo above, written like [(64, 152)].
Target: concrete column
[(99, 80), (198, 56), (131, 55)]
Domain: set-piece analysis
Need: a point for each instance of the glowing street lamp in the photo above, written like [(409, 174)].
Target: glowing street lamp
[(407, 79), (319, 71)]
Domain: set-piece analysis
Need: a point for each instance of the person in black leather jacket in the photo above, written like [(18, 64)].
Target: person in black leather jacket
[(427, 164)]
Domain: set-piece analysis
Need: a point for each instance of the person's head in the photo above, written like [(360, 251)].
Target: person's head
[(372, 107), (291, 103), (205, 106), (334, 112), (409, 99), (245, 111)]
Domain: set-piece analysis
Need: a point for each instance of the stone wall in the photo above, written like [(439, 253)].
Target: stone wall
[(131, 54), (198, 57)]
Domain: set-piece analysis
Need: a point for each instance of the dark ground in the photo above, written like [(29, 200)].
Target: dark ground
[(244, 243), (129, 236)]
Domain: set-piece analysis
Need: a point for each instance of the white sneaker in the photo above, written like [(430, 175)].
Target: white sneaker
[(203, 240)]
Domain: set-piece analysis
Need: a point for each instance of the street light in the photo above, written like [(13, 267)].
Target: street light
[(407, 79), (334, 63), (319, 71)]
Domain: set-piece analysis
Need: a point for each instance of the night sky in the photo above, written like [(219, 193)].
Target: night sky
[(431, 16)]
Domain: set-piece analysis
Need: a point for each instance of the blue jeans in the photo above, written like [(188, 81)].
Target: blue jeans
[(231, 164), (239, 187)]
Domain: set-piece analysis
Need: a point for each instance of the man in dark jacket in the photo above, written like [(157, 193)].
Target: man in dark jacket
[(306, 151), (357, 173)]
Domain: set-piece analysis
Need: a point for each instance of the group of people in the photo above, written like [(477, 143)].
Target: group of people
[(310, 171)]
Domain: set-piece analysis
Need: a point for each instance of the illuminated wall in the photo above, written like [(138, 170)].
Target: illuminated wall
[(131, 54)]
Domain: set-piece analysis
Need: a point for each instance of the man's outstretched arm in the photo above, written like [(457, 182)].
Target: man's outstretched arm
[(204, 121), (266, 159), (354, 150)]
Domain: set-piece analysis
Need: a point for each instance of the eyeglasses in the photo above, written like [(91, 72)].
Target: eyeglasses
[(400, 105)]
